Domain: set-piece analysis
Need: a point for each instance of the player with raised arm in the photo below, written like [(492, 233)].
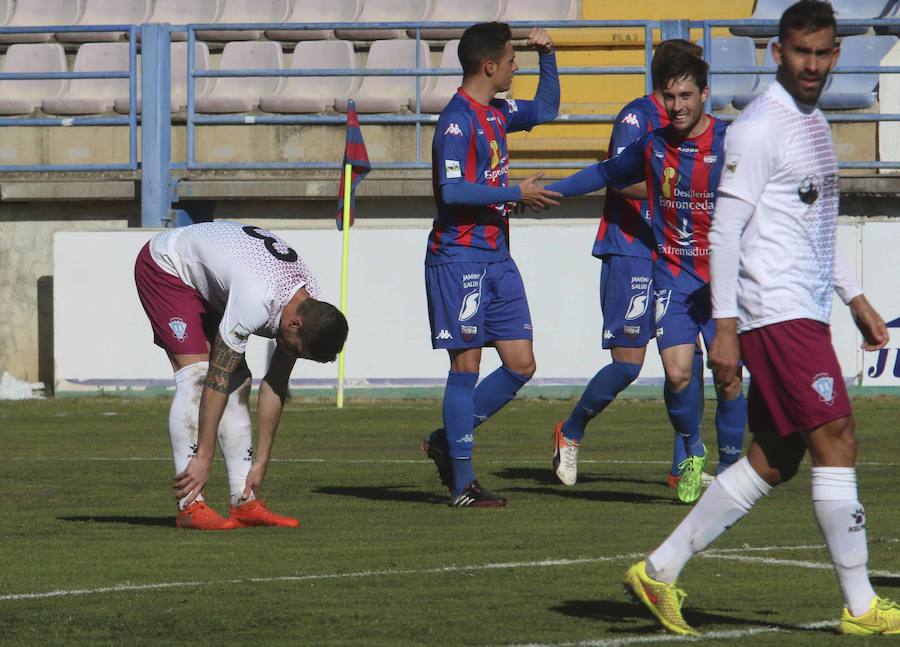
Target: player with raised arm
[(774, 266), (475, 293), (206, 288), (682, 164), (626, 246)]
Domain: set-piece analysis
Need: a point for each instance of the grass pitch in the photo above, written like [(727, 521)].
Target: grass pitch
[(90, 553)]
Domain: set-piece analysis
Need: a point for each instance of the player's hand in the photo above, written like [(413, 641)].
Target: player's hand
[(189, 483), (540, 40), (535, 196), (725, 352), (254, 479), (870, 324)]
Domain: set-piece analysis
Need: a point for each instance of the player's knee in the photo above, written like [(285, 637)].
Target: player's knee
[(629, 370), (526, 369), (678, 379)]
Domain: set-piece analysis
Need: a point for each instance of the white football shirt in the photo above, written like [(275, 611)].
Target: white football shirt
[(246, 273), (780, 158)]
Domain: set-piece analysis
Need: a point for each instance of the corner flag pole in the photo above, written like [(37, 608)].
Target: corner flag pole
[(345, 268)]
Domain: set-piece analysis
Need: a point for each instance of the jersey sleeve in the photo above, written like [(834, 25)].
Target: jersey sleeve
[(523, 114), (243, 316), (628, 166), (630, 125), (750, 159), (452, 144)]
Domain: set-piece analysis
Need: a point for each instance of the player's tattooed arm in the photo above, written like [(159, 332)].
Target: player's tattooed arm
[(223, 361)]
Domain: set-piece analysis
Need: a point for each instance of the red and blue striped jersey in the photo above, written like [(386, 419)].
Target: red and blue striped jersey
[(470, 146), (682, 183), (625, 226)]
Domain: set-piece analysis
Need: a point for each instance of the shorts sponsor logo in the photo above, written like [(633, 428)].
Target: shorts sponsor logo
[(453, 129), (468, 332), (823, 384), (662, 305), (632, 331), (443, 335), (473, 299), (631, 120), (639, 302), (179, 328), (731, 164), (452, 169)]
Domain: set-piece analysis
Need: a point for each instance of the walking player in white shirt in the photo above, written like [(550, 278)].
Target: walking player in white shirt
[(774, 266), (206, 288)]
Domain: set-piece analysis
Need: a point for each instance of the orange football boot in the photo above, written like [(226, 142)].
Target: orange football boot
[(672, 480), (199, 516), (255, 513)]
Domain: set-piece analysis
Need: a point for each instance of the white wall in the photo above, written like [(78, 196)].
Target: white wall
[(102, 335)]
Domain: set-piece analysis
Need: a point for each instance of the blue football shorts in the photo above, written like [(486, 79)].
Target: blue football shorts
[(471, 304), (626, 300), (681, 316)]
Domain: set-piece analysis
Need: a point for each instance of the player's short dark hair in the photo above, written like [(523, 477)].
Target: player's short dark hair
[(681, 65), (483, 41), (323, 330), (668, 48), (806, 16)]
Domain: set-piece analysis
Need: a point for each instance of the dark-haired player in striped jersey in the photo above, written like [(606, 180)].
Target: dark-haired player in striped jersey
[(626, 246), (475, 293), (682, 164)]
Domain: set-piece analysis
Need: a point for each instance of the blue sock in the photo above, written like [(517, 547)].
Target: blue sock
[(603, 388), (459, 396), (682, 409), (731, 418), (679, 450), (495, 391)]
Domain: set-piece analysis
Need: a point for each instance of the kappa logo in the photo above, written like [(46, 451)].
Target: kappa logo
[(823, 384), (453, 129), (631, 120), (444, 334), (467, 438), (179, 328), (608, 334)]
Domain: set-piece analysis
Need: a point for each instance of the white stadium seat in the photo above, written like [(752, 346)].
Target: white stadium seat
[(37, 13), (443, 87), (387, 11), (24, 97), (389, 93), (321, 11), (536, 11), (248, 11), (107, 12), (242, 94), (92, 96), (459, 11), (177, 78), (315, 93)]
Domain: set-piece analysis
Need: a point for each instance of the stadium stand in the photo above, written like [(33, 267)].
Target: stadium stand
[(459, 11), (6, 11), (107, 12), (37, 13), (315, 93), (179, 12), (858, 10), (92, 96), (24, 97), (239, 94), (313, 11), (893, 13), (390, 93), (247, 11), (764, 10), (856, 91), (737, 51), (177, 78), (444, 87), (537, 11), (387, 11), (764, 79)]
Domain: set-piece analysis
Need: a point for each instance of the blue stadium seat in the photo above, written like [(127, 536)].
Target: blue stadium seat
[(764, 80), (764, 10), (857, 10), (737, 51), (856, 91)]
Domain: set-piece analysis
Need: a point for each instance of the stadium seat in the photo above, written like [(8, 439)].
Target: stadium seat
[(242, 94), (459, 11), (856, 91), (107, 12), (764, 80), (24, 97), (315, 93), (177, 78), (323, 11), (737, 51), (764, 10), (857, 10), (37, 13), (444, 87), (536, 11), (92, 96), (179, 12), (248, 11), (387, 11), (6, 11), (389, 93)]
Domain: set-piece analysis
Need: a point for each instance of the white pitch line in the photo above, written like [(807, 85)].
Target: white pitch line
[(790, 562)]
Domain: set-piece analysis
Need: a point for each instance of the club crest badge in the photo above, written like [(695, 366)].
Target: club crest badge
[(179, 328), (823, 384)]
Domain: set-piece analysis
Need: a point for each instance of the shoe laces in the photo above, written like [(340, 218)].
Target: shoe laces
[(885, 604), (570, 458), (690, 464)]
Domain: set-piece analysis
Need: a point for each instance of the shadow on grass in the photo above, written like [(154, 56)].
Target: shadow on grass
[(622, 614), (885, 580), (131, 521), (596, 495), (544, 476), (385, 493)]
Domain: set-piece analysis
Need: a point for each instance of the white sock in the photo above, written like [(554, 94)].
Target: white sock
[(236, 441), (842, 520), (724, 503), (184, 415)]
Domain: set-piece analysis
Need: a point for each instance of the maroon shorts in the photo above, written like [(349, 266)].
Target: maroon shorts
[(795, 379), (181, 319)]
